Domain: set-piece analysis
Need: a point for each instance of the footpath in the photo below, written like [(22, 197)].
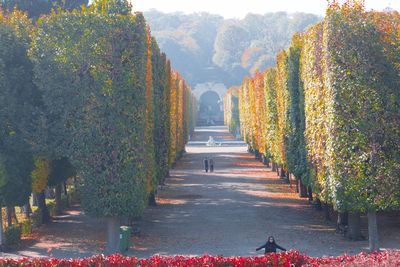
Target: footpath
[(228, 212)]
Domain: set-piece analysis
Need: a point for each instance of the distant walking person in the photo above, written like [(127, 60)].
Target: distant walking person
[(206, 164), (211, 163), (270, 246)]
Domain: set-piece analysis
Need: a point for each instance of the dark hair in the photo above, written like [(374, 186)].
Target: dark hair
[(270, 238)]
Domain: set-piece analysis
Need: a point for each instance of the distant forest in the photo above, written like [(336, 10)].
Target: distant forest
[(206, 47)]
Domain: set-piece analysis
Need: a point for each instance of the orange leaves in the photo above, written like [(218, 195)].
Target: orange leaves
[(259, 102), (149, 142)]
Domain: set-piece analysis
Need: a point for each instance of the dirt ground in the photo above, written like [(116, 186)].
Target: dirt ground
[(228, 212)]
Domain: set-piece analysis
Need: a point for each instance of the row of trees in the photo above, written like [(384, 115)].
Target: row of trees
[(89, 92), (207, 47), (328, 113), (231, 109), (35, 8)]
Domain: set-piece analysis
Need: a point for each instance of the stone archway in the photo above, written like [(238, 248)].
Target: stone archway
[(210, 97), (218, 88)]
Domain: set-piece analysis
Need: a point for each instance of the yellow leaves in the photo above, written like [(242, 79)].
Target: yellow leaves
[(398, 32), (172, 116), (315, 103), (40, 174), (180, 117), (281, 103), (342, 108)]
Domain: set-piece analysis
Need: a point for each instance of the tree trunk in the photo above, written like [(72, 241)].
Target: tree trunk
[(152, 199), (14, 215), (318, 204), (342, 222), (27, 210), (9, 211), (113, 224), (281, 173), (302, 189), (44, 212), (265, 161), (310, 196), (58, 199), (35, 199), (297, 185), (65, 188), (1, 229), (373, 231), (354, 230), (273, 166), (327, 212)]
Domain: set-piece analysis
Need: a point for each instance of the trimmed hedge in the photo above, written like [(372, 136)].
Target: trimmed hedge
[(231, 109), (331, 111), (328, 111)]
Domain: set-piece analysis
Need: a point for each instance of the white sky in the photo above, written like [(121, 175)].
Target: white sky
[(239, 8)]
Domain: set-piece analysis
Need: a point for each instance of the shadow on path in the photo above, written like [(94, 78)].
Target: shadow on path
[(228, 212), (234, 209)]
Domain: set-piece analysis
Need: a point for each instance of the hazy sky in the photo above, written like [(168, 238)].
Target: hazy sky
[(239, 8)]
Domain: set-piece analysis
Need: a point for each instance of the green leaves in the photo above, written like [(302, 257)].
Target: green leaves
[(106, 93), (17, 94), (354, 77), (331, 106), (95, 90), (35, 8)]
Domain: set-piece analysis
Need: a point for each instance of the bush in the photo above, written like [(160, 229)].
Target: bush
[(12, 235)]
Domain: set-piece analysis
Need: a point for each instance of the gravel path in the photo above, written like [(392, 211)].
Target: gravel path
[(234, 209), (229, 212)]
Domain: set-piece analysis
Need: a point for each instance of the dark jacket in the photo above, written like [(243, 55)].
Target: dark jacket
[(270, 247), (211, 162), (206, 163)]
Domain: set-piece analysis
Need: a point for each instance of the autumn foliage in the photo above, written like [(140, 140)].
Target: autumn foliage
[(231, 109), (291, 258), (92, 87), (328, 112)]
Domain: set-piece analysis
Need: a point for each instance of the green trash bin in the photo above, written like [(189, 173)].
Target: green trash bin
[(124, 238)]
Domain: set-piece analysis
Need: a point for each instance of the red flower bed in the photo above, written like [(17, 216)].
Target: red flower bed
[(287, 259)]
